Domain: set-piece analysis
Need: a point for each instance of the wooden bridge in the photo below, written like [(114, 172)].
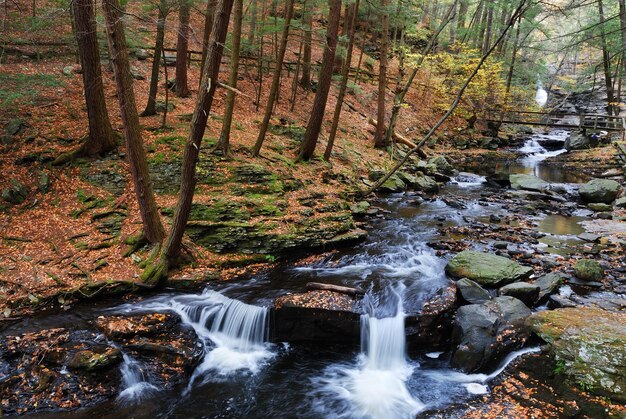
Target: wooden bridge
[(583, 122)]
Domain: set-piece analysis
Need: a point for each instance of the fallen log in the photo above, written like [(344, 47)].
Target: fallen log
[(310, 286), (400, 139)]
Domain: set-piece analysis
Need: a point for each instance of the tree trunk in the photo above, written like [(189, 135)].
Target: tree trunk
[(275, 80), (224, 142), (380, 139), (314, 125), (208, 25), (158, 51), (182, 47), (460, 23), (204, 101), (488, 28), (606, 62), (622, 15), (305, 81), (101, 137), (509, 77), (252, 26), (153, 229), (453, 24), (345, 72)]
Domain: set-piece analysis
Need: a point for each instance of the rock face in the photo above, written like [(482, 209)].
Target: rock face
[(483, 333), (548, 284), (528, 183), (432, 325), (472, 292), (523, 291), (316, 316), (486, 269), (442, 165), (599, 190), (588, 270), (588, 345)]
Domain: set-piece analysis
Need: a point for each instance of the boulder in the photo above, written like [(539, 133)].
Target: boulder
[(599, 190), (426, 184), (528, 182), (523, 291), (431, 327), (486, 269), (16, 193), (442, 165), (600, 207), (483, 333), (393, 184), (90, 360), (360, 208), (43, 182), (548, 285), (577, 141), (588, 270), (471, 292), (588, 345)]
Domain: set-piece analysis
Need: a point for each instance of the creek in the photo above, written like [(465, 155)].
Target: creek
[(242, 373)]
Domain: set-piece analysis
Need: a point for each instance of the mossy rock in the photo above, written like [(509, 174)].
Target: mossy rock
[(588, 270), (486, 269), (252, 173), (588, 345)]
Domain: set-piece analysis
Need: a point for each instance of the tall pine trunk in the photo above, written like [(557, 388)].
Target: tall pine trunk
[(305, 81), (380, 139), (101, 137), (152, 228), (208, 25), (275, 80), (224, 141), (345, 72), (606, 62), (158, 51), (204, 101), (314, 125), (182, 47)]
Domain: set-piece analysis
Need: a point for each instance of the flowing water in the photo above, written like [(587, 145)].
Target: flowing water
[(242, 374), (541, 97)]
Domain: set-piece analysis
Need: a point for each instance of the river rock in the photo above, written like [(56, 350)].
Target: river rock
[(588, 345), (588, 270), (600, 207), (528, 182), (483, 333), (599, 190), (548, 285), (523, 291), (393, 184), (472, 292), (577, 141), (90, 360), (442, 165), (431, 327), (316, 316), (486, 269), (360, 208), (620, 202), (16, 193)]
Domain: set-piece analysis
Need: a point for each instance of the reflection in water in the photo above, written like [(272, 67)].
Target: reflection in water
[(561, 225)]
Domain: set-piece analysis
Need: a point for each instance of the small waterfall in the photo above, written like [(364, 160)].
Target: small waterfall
[(541, 97), (136, 386), (377, 386)]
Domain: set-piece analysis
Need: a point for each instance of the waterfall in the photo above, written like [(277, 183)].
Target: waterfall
[(377, 386), (541, 97), (134, 383)]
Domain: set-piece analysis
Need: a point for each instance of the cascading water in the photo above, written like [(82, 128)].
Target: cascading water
[(135, 384), (377, 386), (541, 97), (234, 334)]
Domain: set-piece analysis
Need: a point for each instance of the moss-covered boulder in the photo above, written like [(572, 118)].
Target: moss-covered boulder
[(528, 182), (486, 269), (588, 270), (589, 346), (393, 184), (599, 190), (16, 193)]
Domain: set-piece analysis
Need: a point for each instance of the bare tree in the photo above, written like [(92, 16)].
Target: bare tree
[(182, 47), (158, 51)]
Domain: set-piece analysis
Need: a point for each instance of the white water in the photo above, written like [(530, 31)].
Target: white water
[(541, 97), (234, 335), (135, 384), (377, 386)]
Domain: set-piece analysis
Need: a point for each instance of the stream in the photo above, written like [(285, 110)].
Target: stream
[(243, 374)]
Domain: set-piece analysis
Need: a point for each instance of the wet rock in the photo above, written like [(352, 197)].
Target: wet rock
[(588, 344), (589, 237), (599, 190), (528, 183), (548, 285), (483, 333), (432, 325), (316, 316), (442, 165), (393, 184), (620, 202), (360, 208), (577, 141), (90, 360), (501, 245), (561, 301), (486, 269), (16, 193), (472, 292), (588, 270), (426, 168), (500, 179), (599, 207), (523, 291), (454, 203)]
